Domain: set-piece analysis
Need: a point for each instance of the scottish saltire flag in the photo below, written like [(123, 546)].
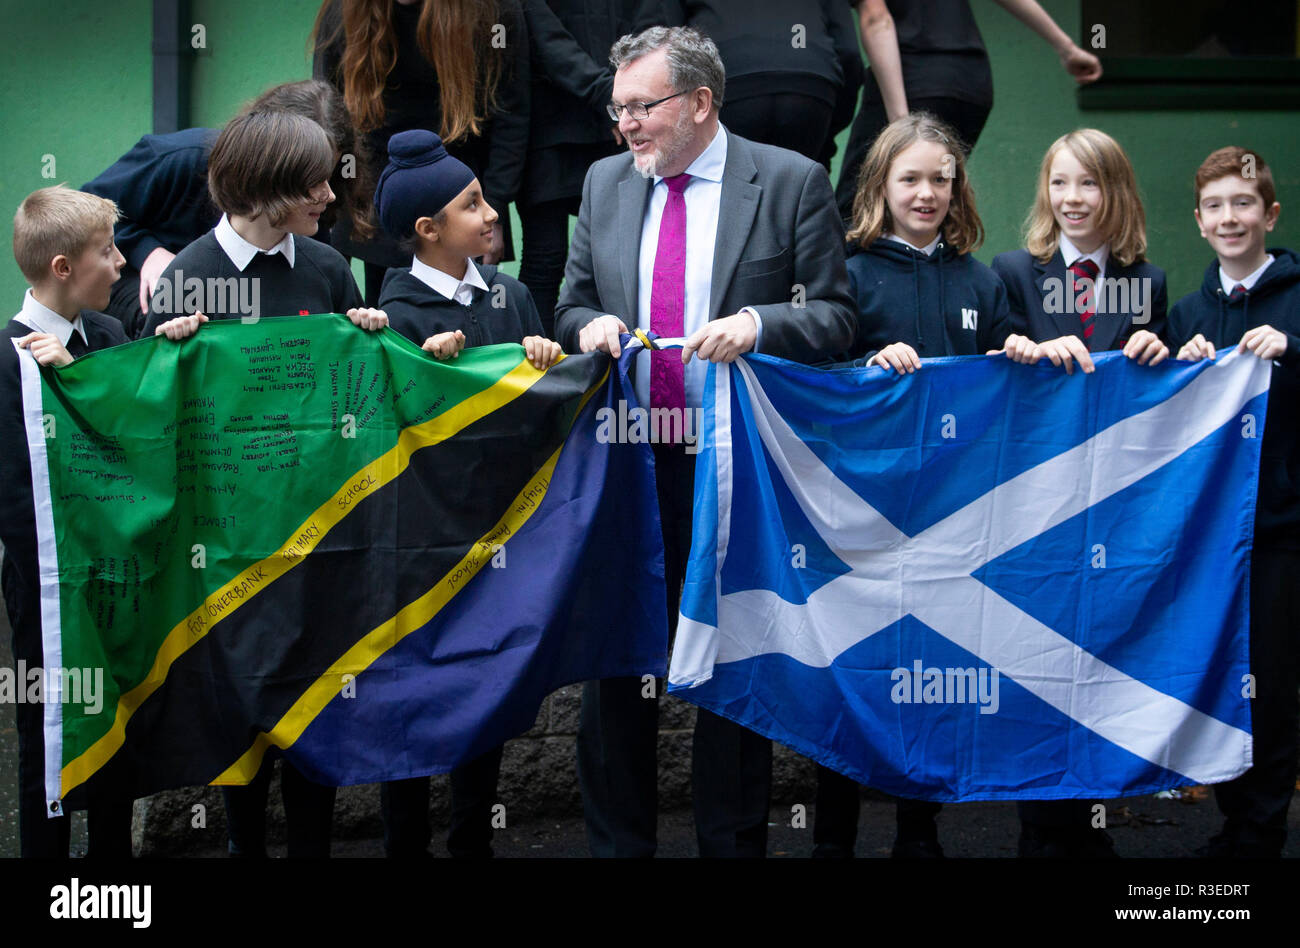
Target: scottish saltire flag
[(983, 581), (297, 537)]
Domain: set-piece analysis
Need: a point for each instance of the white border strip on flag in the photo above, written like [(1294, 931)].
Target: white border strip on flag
[(48, 571)]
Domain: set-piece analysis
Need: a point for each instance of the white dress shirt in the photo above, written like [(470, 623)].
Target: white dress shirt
[(40, 318), (446, 285), (241, 252), (703, 195), (1072, 255), (1249, 282)]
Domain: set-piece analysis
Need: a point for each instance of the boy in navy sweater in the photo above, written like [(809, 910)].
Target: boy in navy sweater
[(63, 243), (443, 303), (1250, 299)]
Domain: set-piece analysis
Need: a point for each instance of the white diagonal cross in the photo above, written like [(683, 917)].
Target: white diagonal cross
[(930, 575)]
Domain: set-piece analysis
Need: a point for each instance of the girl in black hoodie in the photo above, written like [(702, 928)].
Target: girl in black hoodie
[(919, 294)]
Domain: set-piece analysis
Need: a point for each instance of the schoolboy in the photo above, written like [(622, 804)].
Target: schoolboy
[(268, 174), (443, 303), (63, 243), (1250, 298)]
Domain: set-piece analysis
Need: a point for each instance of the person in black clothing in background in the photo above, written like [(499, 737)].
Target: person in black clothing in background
[(928, 56), (161, 187), (571, 86), (456, 67), (793, 66)]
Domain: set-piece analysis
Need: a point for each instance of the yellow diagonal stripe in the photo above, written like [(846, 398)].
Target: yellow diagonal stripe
[(228, 598), (411, 617)]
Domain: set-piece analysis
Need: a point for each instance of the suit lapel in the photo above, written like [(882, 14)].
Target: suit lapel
[(633, 195), (1110, 326), (737, 206), (1053, 274)]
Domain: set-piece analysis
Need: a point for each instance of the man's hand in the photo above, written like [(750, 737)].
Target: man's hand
[(182, 327), (602, 333), (368, 318), (1081, 64), (1198, 347), (153, 268), (1020, 349), (46, 348), (1265, 341), (1065, 351), (498, 249), (1146, 348), (898, 356), (722, 340), (445, 345), (541, 352)]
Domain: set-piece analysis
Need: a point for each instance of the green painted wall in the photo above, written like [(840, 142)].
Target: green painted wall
[(250, 46), (76, 84)]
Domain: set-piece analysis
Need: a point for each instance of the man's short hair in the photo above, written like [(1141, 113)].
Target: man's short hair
[(58, 220), (693, 58), (266, 162), (1237, 162)]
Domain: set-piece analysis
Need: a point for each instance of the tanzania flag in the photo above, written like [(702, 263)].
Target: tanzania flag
[(298, 535)]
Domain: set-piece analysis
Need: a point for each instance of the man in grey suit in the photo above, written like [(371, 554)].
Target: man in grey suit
[(737, 247)]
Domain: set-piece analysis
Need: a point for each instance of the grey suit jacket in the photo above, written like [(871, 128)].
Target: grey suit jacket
[(778, 229)]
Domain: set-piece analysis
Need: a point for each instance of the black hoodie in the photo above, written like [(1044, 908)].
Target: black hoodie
[(930, 303), (1273, 301)]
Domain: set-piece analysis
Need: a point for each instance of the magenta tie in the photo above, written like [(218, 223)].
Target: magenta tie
[(668, 299)]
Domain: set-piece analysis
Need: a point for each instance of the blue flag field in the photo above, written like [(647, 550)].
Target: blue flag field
[(983, 581)]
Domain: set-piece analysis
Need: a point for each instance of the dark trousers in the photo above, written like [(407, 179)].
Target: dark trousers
[(405, 806), (1255, 804), (41, 836), (835, 828), (44, 837), (546, 248), (967, 121), (618, 732), (308, 814), (790, 120), (374, 283)]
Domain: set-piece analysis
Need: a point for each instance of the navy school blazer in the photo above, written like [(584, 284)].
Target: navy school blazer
[(1037, 294)]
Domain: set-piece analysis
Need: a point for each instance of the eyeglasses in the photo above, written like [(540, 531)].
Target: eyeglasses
[(639, 111)]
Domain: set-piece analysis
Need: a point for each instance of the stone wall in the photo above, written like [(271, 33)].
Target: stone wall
[(538, 779)]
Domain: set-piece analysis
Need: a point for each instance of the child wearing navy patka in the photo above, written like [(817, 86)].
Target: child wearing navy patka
[(443, 303)]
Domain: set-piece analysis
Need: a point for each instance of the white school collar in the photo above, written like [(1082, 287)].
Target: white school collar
[(241, 252)]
